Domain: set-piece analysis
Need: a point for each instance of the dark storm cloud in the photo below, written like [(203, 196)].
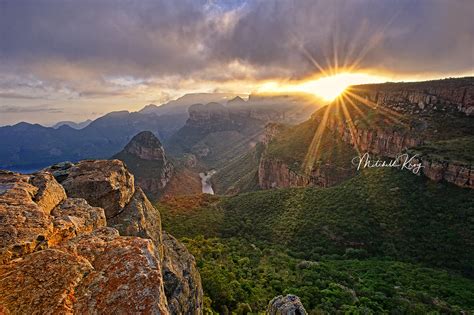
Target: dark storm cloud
[(195, 37)]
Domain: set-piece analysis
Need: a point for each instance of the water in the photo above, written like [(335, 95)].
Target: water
[(206, 182)]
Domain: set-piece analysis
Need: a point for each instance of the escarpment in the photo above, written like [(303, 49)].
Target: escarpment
[(431, 120), (448, 95), (91, 243)]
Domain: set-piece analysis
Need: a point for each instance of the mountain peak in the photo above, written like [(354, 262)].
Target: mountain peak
[(145, 158), (236, 101), (144, 139)]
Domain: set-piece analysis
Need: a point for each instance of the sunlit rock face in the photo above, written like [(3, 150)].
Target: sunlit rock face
[(447, 95), (87, 267), (430, 120), (105, 184), (145, 157)]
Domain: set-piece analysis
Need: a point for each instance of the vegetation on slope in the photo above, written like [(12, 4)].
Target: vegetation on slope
[(457, 150), (239, 276), (338, 248), (385, 212), (240, 174)]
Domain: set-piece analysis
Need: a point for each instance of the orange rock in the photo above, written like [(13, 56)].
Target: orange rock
[(103, 183)]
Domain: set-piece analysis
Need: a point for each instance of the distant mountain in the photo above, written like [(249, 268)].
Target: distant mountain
[(181, 105), (29, 146), (145, 157), (216, 133), (72, 124)]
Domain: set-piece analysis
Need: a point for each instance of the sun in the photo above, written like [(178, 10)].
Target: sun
[(327, 88)]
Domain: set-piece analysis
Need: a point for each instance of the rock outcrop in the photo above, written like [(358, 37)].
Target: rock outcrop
[(416, 97), (286, 305), (455, 172), (105, 184), (274, 173), (182, 281), (57, 254), (145, 157), (140, 218)]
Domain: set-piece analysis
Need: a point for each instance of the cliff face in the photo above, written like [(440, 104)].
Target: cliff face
[(447, 95), (85, 266), (274, 173), (145, 157), (437, 106), (384, 120)]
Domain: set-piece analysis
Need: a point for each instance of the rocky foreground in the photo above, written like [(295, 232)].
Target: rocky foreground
[(90, 243), (83, 239)]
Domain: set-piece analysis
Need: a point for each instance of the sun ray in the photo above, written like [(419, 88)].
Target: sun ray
[(352, 129), (394, 116), (313, 151)]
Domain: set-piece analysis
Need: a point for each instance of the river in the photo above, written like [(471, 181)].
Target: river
[(206, 182)]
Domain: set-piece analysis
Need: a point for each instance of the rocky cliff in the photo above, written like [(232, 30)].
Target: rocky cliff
[(384, 120), (448, 95), (62, 252), (145, 157), (274, 173)]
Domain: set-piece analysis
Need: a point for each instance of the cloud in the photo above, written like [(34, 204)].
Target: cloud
[(16, 95), (9, 109), (112, 48)]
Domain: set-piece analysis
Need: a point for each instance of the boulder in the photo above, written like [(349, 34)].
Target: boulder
[(50, 193), (286, 305), (103, 183), (25, 221), (73, 217)]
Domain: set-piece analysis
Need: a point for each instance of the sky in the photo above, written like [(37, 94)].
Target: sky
[(74, 60)]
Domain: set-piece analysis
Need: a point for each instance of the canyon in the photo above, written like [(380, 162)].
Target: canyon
[(403, 117)]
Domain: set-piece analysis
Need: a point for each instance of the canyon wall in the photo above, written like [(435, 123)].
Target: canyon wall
[(419, 103), (447, 95)]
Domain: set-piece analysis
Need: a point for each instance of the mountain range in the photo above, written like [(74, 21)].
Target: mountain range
[(31, 146), (72, 124)]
